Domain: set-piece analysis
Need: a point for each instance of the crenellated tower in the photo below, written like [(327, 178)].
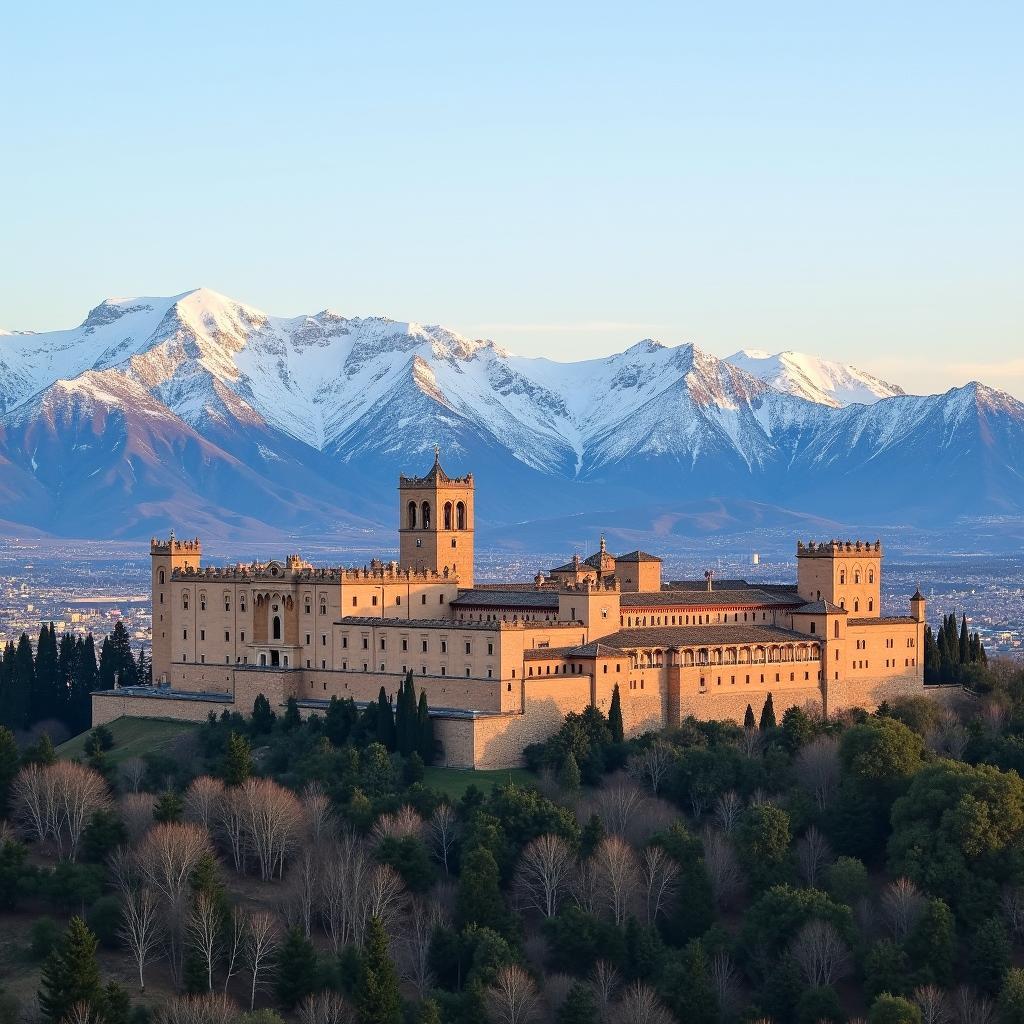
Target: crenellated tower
[(165, 557), (436, 518), (847, 573)]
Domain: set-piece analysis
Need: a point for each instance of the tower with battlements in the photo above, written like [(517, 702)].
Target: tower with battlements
[(165, 557)]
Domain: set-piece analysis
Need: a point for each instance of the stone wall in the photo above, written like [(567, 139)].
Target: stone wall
[(110, 705)]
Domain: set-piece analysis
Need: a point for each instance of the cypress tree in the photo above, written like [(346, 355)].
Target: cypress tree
[(84, 680), (67, 665), (340, 718), (407, 718), (292, 720), (263, 716), (426, 745), (7, 692), (615, 716), (377, 997), (749, 721), (9, 760), (237, 760), (479, 899), (965, 643), (44, 701), (385, 721), (71, 974), (768, 714), (23, 681)]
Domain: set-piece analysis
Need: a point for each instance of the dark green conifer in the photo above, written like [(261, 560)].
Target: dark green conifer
[(237, 760), (295, 969), (749, 721), (426, 745), (385, 721), (71, 974), (768, 714), (377, 997), (615, 716)]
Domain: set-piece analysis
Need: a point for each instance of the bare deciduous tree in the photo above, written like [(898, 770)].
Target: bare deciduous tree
[(236, 935), (415, 937), (140, 928), (751, 742), (724, 872), (316, 807), (653, 764), (271, 823), (203, 800), (604, 979), (640, 1005), (80, 1012), (972, 1007), (203, 932), (543, 873), (512, 997), (618, 803), (585, 883), (822, 955), (300, 900), (813, 855), (1012, 904), (54, 802), (442, 832), (728, 808), (617, 873), (660, 875), (902, 905), (933, 1004), (261, 945), (324, 1008), (401, 824), (136, 810), (724, 978), (207, 1008), (817, 769), (131, 771)]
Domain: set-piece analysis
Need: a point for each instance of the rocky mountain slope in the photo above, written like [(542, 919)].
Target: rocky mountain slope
[(207, 414)]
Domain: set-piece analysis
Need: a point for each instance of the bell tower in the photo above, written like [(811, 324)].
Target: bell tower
[(436, 517), (166, 556)]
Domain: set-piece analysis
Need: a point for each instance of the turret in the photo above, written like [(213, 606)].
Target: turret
[(918, 606)]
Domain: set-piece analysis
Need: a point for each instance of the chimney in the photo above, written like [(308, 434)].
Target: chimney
[(709, 575)]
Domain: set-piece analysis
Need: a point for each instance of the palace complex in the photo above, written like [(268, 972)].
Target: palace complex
[(502, 663)]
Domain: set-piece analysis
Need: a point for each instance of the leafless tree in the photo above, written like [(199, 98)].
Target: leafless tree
[(653, 764), (948, 737), (140, 928), (813, 855), (272, 821), (236, 936), (131, 771), (54, 802), (972, 1007), (301, 896), (398, 825), (415, 937), (724, 872), (543, 873), (442, 832), (554, 992), (728, 808), (512, 997), (640, 1005), (761, 798), (203, 800), (933, 1004), (323, 1008), (384, 897), (604, 979), (817, 769), (136, 811), (618, 804), (231, 827), (902, 905), (660, 875), (618, 875), (1012, 904), (208, 1008), (80, 1012), (724, 978), (166, 858), (751, 743), (262, 944), (993, 718), (316, 807), (821, 953), (203, 932), (866, 917), (585, 884)]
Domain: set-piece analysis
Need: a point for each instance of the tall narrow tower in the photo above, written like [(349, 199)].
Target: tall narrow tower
[(436, 522), (166, 556)]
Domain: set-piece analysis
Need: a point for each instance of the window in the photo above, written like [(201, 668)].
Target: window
[(309, 639), (323, 639), (490, 648), (425, 510), (814, 627), (184, 601), (184, 634), (423, 598), (373, 600), (227, 636), (412, 515), (308, 607), (444, 646), (366, 643), (423, 644), (344, 643), (227, 603), (405, 644), (469, 647), (161, 577), (460, 516), (382, 647), (241, 636), (202, 634), (277, 627)]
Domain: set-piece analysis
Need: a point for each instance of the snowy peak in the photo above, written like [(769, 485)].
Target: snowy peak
[(816, 379)]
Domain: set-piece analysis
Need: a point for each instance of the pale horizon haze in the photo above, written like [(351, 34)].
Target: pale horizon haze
[(564, 179)]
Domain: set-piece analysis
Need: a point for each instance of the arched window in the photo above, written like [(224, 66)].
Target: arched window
[(460, 516), (871, 575), (871, 604), (856, 605), (842, 577), (856, 576), (426, 515), (412, 515), (184, 601), (161, 577), (277, 627), (202, 601), (447, 515)]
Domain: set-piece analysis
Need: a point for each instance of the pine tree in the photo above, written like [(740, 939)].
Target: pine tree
[(768, 714), (238, 760), (479, 899), (385, 721), (615, 716), (340, 719), (571, 778), (749, 721), (295, 969), (377, 997), (9, 760), (143, 668), (291, 720), (426, 745), (71, 974), (579, 1006)]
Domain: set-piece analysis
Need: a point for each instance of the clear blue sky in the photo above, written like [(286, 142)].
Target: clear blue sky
[(840, 178)]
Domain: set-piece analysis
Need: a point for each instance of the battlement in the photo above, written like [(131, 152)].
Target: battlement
[(174, 546), (839, 549), (588, 585), (294, 569)]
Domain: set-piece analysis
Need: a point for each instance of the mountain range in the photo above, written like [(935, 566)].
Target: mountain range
[(208, 415)]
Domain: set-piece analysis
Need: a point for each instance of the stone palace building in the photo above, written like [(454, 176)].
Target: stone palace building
[(502, 663)]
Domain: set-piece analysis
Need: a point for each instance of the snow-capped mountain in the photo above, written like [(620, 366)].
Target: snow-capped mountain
[(205, 413), (816, 379)]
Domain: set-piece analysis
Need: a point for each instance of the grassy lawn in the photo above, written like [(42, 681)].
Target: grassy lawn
[(453, 782), (133, 737)]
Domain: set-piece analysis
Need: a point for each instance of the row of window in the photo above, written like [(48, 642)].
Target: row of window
[(778, 679), (424, 644)]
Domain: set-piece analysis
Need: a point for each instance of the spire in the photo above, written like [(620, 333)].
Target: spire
[(603, 546), (437, 455)]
